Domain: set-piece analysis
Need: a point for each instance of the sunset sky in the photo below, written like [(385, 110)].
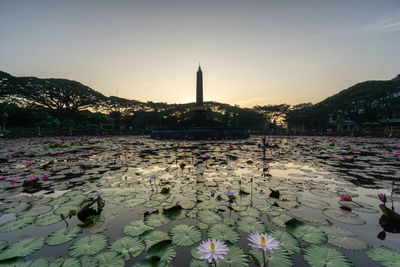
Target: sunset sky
[(251, 52)]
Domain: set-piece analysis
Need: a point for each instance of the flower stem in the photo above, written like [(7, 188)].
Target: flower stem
[(264, 259), (215, 264)]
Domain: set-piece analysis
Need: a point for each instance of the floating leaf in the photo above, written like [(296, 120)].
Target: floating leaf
[(88, 245), (287, 241), (155, 237), (63, 235), (64, 209), (324, 256), (87, 260), (343, 216), (185, 235), (58, 262), (194, 253), (223, 232), (208, 216), (305, 231), (156, 219), (251, 225), (313, 203), (280, 257), (73, 262), (37, 209), (250, 211), (235, 257), (384, 255), (126, 245), (136, 228), (343, 238), (164, 250), (40, 263), (280, 220), (198, 263), (22, 248), (358, 206), (47, 220), (16, 224), (110, 259), (3, 244)]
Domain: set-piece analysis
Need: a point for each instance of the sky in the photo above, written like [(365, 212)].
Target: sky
[(252, 52)]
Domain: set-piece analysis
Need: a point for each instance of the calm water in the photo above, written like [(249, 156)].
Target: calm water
[(309, 172)]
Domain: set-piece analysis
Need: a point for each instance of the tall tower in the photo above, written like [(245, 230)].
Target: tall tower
[(199, 88)]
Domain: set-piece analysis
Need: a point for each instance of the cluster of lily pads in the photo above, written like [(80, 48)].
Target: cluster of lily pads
[(161, 200)]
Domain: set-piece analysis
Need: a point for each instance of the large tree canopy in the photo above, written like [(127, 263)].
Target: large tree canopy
[(60, 97)]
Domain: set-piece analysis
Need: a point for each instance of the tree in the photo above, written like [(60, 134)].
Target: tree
[(274, 115)]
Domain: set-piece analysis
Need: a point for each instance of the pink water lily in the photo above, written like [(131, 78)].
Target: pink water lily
[(12, 179), (45, 176), (382, 197), (31, 179), (345, 197)]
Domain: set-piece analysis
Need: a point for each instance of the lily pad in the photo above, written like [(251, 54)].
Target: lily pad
[(279, 257), (3, 244), (22, 248), (156, 219), (250, 211), (16, 224), (343, 238), (343, 216), (48, 219), (37, 209), (164, 250), (223, 232), (324, 256), (110, 259), (154, 237), (313, 203), (385, 256), (208, 216), (306, 232), (88, 245), (235, 257), (250, 225), (125, 245), (198, 263), (359, 206), (136, 228), (185, 235), (287, 241), (280, 220), (63, 235)]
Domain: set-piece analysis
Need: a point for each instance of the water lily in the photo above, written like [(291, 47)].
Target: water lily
[(344, 197), (98, 193), (382, 197), (229, 192), (2, 177), (207, 156), (45, 176), (12, 180), (263, 242), (212, 250), (31, 179)]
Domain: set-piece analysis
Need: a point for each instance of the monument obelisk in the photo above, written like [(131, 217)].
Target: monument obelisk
[(199, 107)]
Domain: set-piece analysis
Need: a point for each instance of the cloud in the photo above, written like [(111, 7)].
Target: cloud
[(387, 23)]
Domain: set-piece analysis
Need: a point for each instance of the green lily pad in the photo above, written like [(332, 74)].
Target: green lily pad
[(250, 225), (136, 228), (156, 219), (40, 263), (3, 244), (359, 206), (58, 262), (37, 209), (64, 209), (250, 211), (63, 235), (185, 235), (385, 256), (125, 245), (343, 216), (279, 257), (164, 250), (342, 238), (16, 224), (22, 248), (280, 220), (88, 245), (87, 260), (110, 259), (223, 232), (208, 216), (235, 257), (313, 203), (324, 256), (287, 241), (47, 220), (153, 237), (305, 231), (198, 263)]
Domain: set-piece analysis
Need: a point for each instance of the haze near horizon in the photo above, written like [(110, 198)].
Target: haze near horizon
[(251, 52)]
